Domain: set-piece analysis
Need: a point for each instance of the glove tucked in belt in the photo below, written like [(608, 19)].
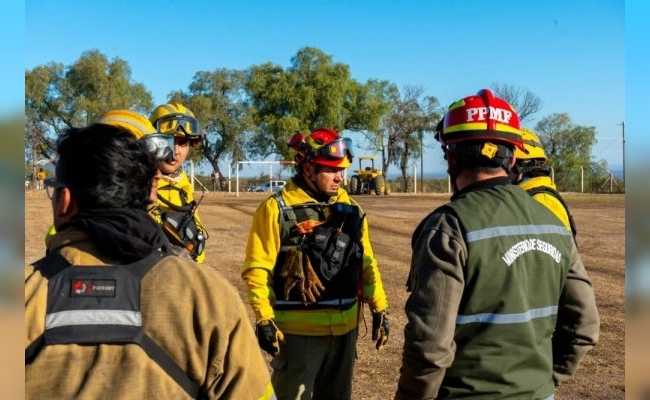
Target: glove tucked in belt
[(269, 337), (380, 328)]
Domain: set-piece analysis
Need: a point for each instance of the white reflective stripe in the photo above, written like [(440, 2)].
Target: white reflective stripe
[(93, 317), (490, 318), (325, 303), (515, 230)]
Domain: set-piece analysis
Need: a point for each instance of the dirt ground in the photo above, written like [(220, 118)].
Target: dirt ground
[(392, 219)]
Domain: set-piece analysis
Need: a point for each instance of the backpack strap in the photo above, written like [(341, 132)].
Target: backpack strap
[(49, 266), (296, 213), (185, 204), (52, 264)]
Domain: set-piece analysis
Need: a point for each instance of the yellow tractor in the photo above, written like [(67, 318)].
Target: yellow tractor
[(367, 180)]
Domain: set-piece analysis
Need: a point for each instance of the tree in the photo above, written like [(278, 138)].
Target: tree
[(220, 103), (525, 102), (312, 92), (408, 118), (59, 97), (568, 147)]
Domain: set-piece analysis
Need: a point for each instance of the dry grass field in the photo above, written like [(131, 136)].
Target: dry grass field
[(601, 239)]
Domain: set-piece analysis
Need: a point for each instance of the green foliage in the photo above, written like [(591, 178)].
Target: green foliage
[(404, 127), (58, 97), (312, 92), (250, 114), (568, 148), (219, 102)]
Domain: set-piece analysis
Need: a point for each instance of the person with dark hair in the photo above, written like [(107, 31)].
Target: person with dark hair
[(215, 176), (40, 179), (99, 317), (501, 305), (309, 268)]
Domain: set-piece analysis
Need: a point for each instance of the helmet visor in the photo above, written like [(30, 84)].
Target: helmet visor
[(178, 123), (160, 146), (337, 149)]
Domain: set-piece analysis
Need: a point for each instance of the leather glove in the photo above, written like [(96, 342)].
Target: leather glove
[(380, 328), (292, 271), (269, 337), (312, 287)]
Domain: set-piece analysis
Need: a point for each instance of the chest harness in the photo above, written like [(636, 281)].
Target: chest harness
[(180, 224), (325, 239), (100, 305)]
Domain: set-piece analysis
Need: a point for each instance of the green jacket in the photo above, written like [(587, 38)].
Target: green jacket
[(501, 307)]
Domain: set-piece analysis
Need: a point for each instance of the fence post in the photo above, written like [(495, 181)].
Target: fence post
[(415, 179), (582, 179)]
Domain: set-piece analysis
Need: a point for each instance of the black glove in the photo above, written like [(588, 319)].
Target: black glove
[(380, 328), (269, 337)]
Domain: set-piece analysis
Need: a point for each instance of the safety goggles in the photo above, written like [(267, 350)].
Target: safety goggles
[(52, 185), (160, 146), (184, 141), (173, 123), (336, 149)]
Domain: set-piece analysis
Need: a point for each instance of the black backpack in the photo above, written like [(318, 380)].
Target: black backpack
[(85, 307)]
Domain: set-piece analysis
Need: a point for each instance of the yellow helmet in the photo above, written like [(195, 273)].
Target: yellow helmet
[(129, 120), (160, 146), (175, 119), (533, 145)]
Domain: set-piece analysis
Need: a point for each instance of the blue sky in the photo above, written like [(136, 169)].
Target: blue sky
[(570, 53)]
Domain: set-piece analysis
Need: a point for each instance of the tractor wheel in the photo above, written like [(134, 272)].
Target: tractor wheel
[(354, 184), (380, 185)]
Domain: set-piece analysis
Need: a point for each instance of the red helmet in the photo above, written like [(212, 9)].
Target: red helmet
[(481, 117), (324, 147)]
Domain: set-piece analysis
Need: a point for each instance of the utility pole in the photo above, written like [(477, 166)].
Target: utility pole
[(622, 124), (421, 163)]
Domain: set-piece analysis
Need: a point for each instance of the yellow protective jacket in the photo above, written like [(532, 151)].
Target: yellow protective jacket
[(261, 253), (168, 188), (191, 311), (550, 201)]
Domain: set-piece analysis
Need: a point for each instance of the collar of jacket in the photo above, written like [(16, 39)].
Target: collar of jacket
[(537, 182), (179, 180), (483, 185), (127, 235), (295, 193), (78, 248)]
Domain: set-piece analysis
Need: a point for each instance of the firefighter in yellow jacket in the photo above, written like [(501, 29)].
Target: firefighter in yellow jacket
[(534, 177), (110, 311), (309, 267), (177, 209)]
